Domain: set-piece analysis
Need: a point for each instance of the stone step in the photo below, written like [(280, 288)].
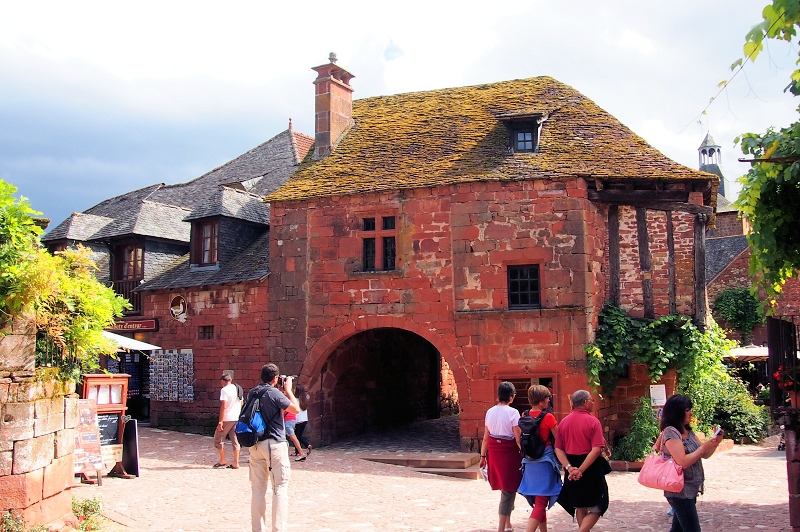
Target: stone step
[(454, 461), (470, 473)]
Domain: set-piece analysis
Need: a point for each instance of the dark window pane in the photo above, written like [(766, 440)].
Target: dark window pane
[(388, 222), (369, 254), (389, 252), (369, 224), (523, 286)]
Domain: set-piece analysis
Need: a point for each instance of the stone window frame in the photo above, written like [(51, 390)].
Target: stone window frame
[(509, 285), (374, 227), (521, 400), (205, 332)]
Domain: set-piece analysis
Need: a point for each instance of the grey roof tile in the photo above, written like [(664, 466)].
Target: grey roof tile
[(720, 252), (79, 226), (251, 264), (233, 203)]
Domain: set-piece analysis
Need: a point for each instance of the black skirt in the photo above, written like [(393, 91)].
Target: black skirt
[(590, 490)]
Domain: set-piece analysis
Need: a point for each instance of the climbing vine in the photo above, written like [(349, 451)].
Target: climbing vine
[(661, 344), (740, 309)]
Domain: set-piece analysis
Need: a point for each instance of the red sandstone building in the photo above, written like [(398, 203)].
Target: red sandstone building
[(431, 245)]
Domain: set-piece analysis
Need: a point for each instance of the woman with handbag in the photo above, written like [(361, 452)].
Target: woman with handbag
[(500, 452), (678, 441)]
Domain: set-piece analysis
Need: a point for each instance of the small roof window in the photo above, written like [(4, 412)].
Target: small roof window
[(524, 130)]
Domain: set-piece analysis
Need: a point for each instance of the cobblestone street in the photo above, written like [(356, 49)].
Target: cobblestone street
[(334, 490)]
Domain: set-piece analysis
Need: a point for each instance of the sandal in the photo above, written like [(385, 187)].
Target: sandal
[(308, 449), (218, 465), (233, 467), (301, 459)]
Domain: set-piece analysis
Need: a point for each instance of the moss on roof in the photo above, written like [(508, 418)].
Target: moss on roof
[(453, 136)]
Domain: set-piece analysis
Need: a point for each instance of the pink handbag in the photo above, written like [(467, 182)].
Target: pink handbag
[(661, 473)]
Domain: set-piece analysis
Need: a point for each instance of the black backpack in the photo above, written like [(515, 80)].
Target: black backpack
[(533, 445), (239, 391), (251, 426)]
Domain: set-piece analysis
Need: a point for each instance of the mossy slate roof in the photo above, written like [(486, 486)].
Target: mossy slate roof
[(451, 136)]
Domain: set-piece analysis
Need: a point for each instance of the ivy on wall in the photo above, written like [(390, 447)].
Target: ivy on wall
[(661, 344)]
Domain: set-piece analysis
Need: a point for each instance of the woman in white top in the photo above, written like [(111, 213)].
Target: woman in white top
[(302, 419), (500, 451)]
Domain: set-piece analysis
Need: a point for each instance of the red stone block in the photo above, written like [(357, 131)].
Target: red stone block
[(49, 509), (58, 476), (21, 491)]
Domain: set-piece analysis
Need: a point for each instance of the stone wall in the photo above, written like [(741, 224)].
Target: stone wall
[(37, 440), (237, 313)]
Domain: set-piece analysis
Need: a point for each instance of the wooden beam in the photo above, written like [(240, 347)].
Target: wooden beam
[(644, 262), (673, 306), (613, 253), (700, 310), (636, 196)]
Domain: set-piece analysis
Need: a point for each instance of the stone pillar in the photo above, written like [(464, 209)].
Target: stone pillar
[(38, 416)]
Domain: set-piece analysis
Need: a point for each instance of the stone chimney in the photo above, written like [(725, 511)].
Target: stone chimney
[(333, 105)]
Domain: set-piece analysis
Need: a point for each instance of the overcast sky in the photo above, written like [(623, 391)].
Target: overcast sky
[(97, 99)]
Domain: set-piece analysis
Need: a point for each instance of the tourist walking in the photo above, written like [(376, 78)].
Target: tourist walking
[(579, 443), (269, 458), (678, 441), (541, 478), (500, 452), (302, 419), (230, 406)]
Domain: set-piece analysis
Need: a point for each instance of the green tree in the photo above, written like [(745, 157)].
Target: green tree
[(740, 309), (770, 196), (59, 292)]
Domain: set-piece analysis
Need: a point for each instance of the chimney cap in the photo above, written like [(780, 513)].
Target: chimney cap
[(332, 57)]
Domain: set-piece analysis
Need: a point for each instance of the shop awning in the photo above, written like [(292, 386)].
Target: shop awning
[(129, 344), (750, 353)]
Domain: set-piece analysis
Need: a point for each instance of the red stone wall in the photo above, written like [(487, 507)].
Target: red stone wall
[(450, 288), (37, 441), (728, 224), (238, 314), (631, 295)]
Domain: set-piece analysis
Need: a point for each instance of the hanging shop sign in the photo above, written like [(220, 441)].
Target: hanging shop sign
[(177, 309), (135, 325)]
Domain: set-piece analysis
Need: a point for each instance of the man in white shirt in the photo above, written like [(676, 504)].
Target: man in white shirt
[(229, 410)]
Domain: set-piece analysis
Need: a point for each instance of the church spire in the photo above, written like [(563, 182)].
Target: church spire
[(710, 155)]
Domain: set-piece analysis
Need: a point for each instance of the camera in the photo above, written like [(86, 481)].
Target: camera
[(282, 380)]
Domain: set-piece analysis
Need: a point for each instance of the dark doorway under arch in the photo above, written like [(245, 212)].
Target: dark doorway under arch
[(383, 378)]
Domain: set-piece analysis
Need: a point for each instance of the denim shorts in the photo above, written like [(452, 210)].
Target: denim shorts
[(290, 427)]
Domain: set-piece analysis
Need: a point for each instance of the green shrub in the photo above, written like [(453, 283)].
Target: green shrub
[(638, 443), (88, 512), (15, 523), (735, 412)]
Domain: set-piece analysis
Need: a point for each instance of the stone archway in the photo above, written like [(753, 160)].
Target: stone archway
[(381, 378)]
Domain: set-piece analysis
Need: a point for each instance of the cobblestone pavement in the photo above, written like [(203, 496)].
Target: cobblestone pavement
[(336, 491)]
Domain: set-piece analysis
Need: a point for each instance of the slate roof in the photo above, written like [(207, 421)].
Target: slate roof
[(454, 135), (708, 142), (720, 252), (250, 264), (79, 226), (161, 210), (233, 203)]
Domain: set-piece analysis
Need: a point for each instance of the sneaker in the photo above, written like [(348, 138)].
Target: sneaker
[(671, 511)]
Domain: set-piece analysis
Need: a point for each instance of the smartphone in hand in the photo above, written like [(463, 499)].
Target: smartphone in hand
[(717, 432)]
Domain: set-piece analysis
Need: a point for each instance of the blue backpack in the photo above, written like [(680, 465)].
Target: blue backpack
[(251, 427)]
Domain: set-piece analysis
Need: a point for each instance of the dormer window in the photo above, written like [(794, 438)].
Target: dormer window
[(205, 242), (523, 131)]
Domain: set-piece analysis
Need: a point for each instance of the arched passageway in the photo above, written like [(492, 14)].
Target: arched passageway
[(383, 378)]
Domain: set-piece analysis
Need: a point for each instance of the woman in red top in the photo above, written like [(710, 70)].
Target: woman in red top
[(541, 478)]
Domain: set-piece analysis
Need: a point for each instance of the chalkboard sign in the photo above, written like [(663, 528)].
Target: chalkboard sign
[(88, 459), (109, 428)]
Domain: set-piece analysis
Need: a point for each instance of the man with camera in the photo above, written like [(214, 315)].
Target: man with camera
[(269, 458)]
